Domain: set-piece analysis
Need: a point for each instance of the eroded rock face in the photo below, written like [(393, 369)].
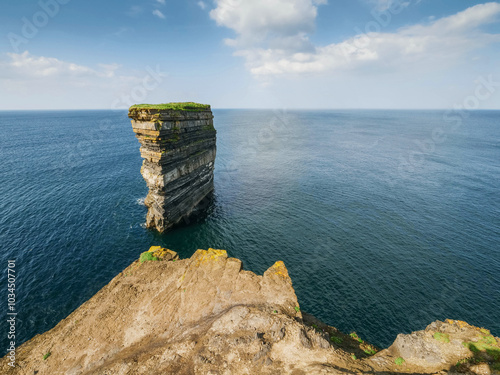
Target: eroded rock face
[(200, 315), (179, 148), (206, 315), (450, 342)]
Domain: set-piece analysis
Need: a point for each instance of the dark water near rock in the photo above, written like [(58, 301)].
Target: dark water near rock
[(378, 237)]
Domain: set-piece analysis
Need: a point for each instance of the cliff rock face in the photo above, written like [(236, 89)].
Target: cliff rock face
[(178, 144), (206, 315)]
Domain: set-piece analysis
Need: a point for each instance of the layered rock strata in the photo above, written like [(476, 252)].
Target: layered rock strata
[(178, 144), (206, 315)]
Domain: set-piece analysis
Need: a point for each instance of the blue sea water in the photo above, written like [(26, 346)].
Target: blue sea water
[(386, 220)]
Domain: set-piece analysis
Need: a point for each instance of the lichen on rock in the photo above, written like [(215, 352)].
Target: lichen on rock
[(163, 254)]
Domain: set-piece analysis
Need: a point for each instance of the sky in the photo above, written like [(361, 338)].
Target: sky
[(318, 54)]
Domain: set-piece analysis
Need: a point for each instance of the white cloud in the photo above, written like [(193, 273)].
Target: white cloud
[(162, 2), (28, 81), (276, 43), (120, 31), (383, 5), (202, 5), (29, 66), (257, 20), (158, 14), (26, 74), (134, 11)]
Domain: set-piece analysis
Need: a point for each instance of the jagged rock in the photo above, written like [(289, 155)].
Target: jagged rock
[(163, 254), (178, 144), (481, 369), (206, 315), (443, 344)]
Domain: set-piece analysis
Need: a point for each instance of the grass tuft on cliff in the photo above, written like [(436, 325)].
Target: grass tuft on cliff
[(443, 337), (399, 361), (180, 106), (147, 257)]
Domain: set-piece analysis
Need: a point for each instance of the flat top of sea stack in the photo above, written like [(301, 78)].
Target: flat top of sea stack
[(180, 106)]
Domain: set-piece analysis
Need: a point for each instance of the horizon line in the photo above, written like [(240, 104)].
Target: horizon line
[(264, 108)]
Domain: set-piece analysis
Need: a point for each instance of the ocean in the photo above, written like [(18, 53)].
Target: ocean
[(386, 220)]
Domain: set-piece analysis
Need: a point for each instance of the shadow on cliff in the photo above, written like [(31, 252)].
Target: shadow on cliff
[(484, 353), (365, 371), (200, 213)]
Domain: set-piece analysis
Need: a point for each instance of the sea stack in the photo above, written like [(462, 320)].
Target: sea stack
[(178, 144)]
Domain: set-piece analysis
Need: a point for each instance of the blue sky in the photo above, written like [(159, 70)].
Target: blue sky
[(72, 54)]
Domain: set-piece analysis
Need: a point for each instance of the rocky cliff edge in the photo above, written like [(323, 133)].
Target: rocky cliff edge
[(206, 315)]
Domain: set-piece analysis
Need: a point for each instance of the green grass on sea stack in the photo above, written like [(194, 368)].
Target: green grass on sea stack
[(181, 106)]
